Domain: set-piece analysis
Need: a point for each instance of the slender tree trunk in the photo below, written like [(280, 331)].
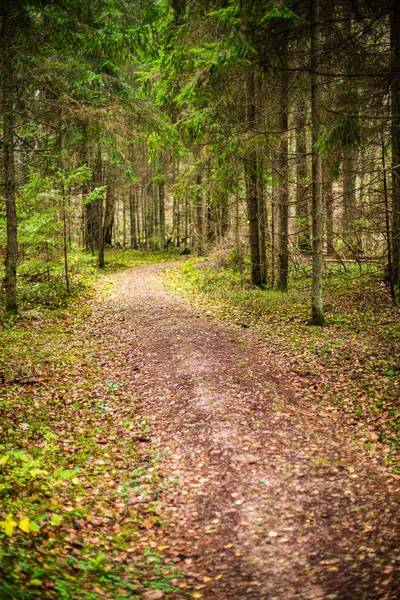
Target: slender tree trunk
[(349, 194), (251, 184), (237, 228), (99, 207), (59, 145), (262, 207), (161, 192), (7, 35), (124, 221), (328, 195), (349, 166), (187, 220), (138, 218), (317, 213), (132, 214), (274, 194), (212, 221), (109, 213), (395, 110), (199, 218), (283, 169), (225, 216), (387, 223), (302, 213)]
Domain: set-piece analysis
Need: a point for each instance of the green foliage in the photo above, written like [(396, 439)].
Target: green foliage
[(278, 11), (98, 193)]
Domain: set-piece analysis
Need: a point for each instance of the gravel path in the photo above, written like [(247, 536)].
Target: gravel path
[(269, 498)]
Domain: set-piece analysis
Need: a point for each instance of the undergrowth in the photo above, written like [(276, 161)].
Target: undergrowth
[(69, 466)]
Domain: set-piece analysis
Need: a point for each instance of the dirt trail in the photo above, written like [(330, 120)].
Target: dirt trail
[(271, 499)]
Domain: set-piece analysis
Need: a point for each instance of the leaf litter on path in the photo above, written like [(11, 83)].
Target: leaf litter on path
[(186, 454)]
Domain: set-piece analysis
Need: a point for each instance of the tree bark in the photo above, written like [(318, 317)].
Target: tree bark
[(109, 213), (7, 34), (251, 184), (262, 207), (199, 219), (132, 215), (328, 195), (317, 200), (283, 168), (302, 213), (395, 134), (98, 181)]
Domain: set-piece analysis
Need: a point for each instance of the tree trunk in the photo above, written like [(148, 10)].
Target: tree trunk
[(251, 184), (328, 195), (395, 133), (132, 215), (317, 200), (349, 165), (199, 218), (10, 281), (262, 207), (283, 169), (161, 192), (302, 214), (349, 194), (98, 182), (109, 213)]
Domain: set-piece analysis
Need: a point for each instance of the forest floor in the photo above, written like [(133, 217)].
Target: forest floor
[(191, 465)]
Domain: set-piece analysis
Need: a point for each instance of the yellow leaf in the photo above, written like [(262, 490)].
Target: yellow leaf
[(24, 525), (8, 525), (37, 472), (4, 459), (207, 579), (161, 548), (272, 534), (35, 582), (197, 595), (149, 522), (228, 546)]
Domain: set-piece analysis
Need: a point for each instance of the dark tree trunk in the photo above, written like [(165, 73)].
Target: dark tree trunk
[(262, 207), (199, 219), (349, 164), (317, 204), (225, 216), (302, 213), (132, 213), (395, 109), (7, 35), (328, 195), (283, 169), (109, 213), (98, 206), (251, 172)]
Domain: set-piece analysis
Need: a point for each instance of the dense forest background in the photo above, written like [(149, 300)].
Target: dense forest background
[(272, 128)]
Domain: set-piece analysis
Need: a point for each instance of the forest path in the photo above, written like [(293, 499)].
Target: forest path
[(268, 499)]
